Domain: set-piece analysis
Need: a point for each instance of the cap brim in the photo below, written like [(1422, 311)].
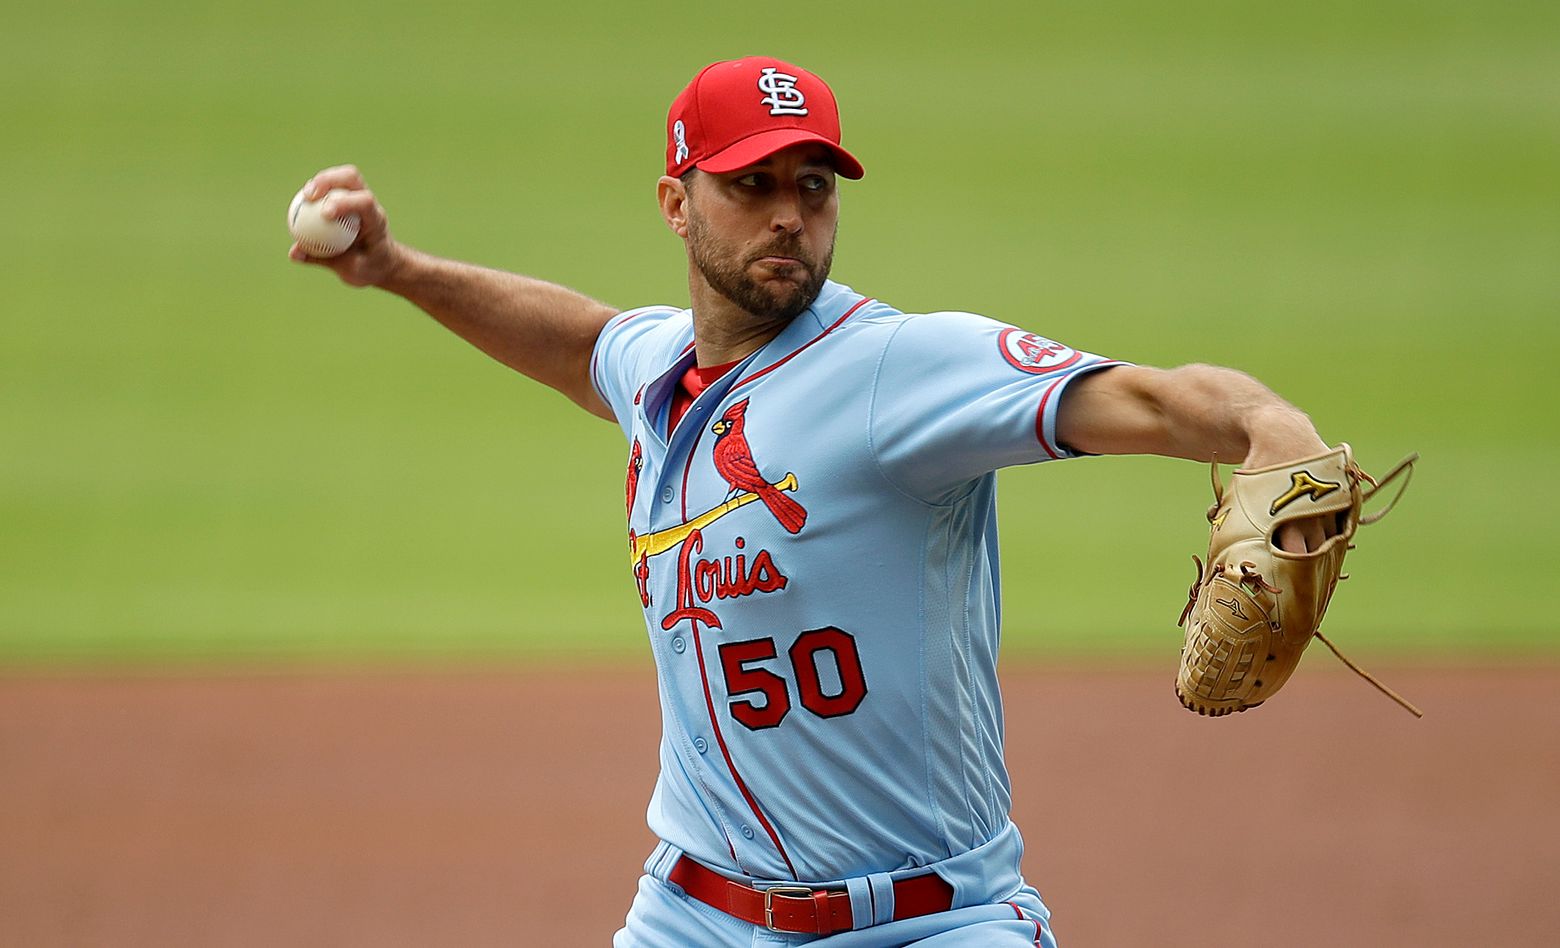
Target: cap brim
[(755, 148)]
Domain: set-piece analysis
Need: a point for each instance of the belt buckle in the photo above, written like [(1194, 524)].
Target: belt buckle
[(769, 906)]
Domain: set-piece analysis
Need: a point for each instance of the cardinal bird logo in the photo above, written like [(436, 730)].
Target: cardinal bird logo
[(734, 462)]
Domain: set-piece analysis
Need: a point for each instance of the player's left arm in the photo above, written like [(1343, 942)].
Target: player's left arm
[(1200, 412)]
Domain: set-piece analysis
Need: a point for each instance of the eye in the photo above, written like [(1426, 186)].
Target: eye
[(749, 180)]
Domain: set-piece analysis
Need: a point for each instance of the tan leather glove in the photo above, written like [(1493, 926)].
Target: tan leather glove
[(1254, 607)]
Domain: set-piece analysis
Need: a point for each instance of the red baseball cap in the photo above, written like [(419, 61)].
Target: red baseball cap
[(737, 113)]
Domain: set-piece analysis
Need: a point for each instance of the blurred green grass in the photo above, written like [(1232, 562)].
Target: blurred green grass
[(207, 452)]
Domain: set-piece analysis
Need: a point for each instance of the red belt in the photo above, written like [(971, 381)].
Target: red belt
[(800, 909)]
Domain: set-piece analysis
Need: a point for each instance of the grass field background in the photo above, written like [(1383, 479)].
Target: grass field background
[(209, 452)]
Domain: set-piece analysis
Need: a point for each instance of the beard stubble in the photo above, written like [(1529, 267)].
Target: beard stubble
[(725, 269)]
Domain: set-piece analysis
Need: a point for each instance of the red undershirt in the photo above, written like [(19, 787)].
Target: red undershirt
[(693, 382)]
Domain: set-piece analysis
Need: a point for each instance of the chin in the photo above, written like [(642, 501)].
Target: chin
[(790, 300)]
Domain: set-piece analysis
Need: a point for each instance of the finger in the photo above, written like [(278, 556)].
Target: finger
[(361, 202), (297, 254), (1315, 534), (1302, 536), (338, 176), (1291, 539), (373, 225)]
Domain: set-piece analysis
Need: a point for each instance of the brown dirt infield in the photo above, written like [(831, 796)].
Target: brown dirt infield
[(506, 807)]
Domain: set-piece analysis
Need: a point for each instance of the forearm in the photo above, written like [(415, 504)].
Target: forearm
[(540, 329), (1213, 412), (1200, 412)]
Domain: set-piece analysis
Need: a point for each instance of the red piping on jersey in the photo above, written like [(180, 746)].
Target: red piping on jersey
[(594, 353), (1040, 413), (688, 468), (709, 702), (704, 678), (1040, 419), (798, 351), (1020, 913)]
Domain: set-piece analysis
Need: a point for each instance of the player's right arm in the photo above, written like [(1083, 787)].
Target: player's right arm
[(537, 328)]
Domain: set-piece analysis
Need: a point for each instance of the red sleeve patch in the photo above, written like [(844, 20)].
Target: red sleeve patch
[(1038, 355)]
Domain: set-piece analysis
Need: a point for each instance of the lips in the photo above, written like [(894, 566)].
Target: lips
[(781, 258)]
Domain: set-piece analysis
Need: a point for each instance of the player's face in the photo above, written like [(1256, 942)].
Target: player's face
[(763, 236)]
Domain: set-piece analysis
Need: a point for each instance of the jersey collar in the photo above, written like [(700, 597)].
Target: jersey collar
[(835, 302)]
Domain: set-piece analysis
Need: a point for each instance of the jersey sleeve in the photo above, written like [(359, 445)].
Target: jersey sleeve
[(623, 356), (957, 396)]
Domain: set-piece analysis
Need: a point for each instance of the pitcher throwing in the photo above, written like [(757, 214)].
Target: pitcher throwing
[(812, 529)]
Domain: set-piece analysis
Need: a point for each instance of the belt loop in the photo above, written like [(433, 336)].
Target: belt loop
[(881, 885), (661, 861), (860, 903)]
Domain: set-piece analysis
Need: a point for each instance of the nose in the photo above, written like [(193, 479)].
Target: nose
[(786, 215)]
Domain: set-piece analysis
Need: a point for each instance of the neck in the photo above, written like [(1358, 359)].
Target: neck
[(723, 331)]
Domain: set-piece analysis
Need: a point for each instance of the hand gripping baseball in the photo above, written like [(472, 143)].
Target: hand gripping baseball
[(1255, 607), (373, 256)]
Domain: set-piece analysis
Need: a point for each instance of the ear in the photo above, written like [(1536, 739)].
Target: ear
[(673, 197)]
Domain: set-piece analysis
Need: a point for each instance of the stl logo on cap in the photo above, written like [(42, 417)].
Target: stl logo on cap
[(782, 96)]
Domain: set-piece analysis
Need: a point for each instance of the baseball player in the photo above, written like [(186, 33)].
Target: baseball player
[(810, 493)]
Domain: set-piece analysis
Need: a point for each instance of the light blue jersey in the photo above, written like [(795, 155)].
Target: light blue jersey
[(815, 548)]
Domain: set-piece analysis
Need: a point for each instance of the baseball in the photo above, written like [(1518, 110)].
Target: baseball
[(319, 235)]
